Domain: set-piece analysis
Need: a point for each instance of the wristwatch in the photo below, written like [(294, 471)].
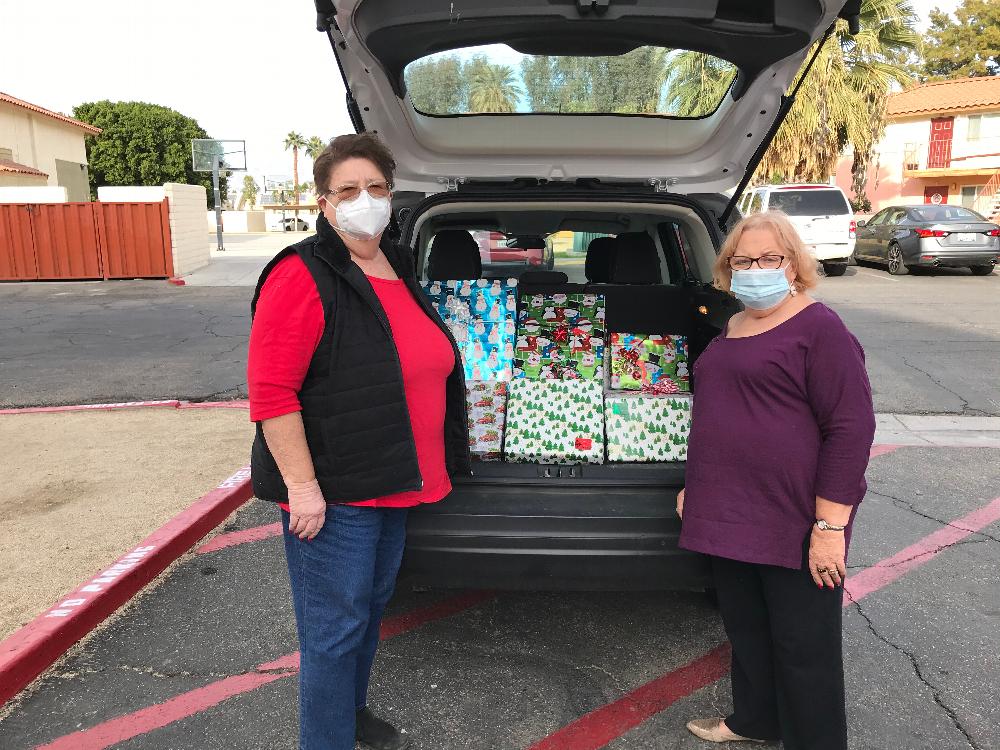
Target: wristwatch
[(824, 526)]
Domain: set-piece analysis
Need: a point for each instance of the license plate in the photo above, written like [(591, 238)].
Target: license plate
[(964, 237)]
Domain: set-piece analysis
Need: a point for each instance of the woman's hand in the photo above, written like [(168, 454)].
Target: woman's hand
[(307, 509), (680, 503), (827, 554)]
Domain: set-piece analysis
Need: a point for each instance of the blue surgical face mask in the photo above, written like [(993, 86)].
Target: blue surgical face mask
[(760, 288)]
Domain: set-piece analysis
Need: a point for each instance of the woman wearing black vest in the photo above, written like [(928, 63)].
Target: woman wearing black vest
[(357, 391)]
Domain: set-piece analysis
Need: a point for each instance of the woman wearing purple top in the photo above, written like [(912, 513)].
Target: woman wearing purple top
[(780, 437)]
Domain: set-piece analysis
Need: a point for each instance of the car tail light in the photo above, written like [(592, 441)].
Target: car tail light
[(931, 233), (992, 233), (852, 233)]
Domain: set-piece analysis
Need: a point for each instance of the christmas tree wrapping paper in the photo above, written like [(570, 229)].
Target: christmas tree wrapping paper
[(645, 428), (481, 315), (560, 337), (649, 363), (486, 406), (552, 421)]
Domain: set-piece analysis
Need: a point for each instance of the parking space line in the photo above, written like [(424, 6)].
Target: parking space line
[(598, 728), (874, 275), (607, 723), (192, 702), (242, 536)]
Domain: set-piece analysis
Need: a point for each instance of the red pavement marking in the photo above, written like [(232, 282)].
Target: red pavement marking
[(881, 450), (243, 536), (195, 701), (598, 728), (235, 404), (885, 572), (29, 651)]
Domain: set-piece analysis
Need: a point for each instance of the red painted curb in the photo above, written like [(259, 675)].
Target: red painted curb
[(237, 404), (32, 649), (91, 407), (176, 281)]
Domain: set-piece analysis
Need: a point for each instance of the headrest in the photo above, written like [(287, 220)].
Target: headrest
[(543, 278), (531, 243), (636, 260), (454, 255), (600, 258)]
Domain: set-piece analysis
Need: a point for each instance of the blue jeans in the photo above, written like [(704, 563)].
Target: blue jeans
[(341, 582)]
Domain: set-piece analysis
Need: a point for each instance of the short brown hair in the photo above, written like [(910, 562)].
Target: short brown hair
[(788, 238), (353, 146)]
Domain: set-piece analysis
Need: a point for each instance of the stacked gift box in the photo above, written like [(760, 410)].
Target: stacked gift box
[(560, 337), (481, 315), (653, 364), (553, 421), (486, 405)]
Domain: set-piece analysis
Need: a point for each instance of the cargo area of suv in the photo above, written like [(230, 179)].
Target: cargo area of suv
[(572, 525), (573, 117)]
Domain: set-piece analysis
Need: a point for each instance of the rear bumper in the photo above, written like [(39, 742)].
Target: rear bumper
[(601, 531), (953, 259), (832, 251)]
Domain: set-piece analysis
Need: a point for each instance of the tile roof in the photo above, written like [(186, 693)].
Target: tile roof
[(956, 95), (8, 99), (12, 166)]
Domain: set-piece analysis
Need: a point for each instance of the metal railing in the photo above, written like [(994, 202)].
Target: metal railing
[(953, 154)]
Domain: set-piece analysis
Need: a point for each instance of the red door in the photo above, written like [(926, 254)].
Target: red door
[(939, 149), (936, 194)]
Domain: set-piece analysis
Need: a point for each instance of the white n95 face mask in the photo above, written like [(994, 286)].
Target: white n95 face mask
[(364, 217)]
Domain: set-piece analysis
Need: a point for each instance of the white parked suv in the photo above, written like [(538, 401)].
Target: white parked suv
[(821, 213)]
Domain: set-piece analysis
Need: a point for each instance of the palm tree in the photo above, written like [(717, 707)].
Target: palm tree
[(696, 83), (493, 88), (314, 147), (843, 101), (295, 141)]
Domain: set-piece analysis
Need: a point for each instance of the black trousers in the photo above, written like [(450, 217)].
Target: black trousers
[(788, 669)]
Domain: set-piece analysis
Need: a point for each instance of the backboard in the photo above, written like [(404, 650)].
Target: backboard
[(206, 151), (274, 184)]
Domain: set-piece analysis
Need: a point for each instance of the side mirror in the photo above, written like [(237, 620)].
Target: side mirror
[(861, 223)]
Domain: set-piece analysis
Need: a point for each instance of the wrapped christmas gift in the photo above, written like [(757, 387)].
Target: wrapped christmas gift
[(651, 363), (486, 406), (560, 337), (642, 428), (551, 421), (481, 314)]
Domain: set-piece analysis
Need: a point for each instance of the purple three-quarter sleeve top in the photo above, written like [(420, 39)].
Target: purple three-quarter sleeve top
[(778, 418)]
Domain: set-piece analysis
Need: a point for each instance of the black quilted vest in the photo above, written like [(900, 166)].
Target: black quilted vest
[(354, 408)]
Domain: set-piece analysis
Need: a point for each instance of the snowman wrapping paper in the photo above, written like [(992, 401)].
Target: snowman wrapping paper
[(481, 315), (644, 428), (560, 337), (654, 364), (555, 421), (486, 405)]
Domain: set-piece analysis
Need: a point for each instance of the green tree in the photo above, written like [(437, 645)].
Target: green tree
[(438, 86), (295, 141), (493, 88), (141, 144), (249, 194), (696, 84), (968, 45)]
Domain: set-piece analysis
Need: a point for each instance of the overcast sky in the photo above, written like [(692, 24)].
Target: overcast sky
[(252, 70)]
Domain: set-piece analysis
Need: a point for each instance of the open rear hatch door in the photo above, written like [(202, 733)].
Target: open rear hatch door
[(677, 94)]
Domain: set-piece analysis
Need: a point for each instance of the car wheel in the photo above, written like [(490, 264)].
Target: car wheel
[(896, 265), (834, 269), (981, 270)]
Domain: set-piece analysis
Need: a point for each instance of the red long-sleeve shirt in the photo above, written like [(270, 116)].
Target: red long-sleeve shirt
[(287, 327)]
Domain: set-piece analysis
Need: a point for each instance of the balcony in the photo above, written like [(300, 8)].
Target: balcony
[(952, 158)]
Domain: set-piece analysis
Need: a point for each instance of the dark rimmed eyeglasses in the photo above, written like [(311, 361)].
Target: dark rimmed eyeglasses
[(768, 262)]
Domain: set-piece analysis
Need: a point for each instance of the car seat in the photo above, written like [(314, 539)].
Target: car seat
[(636, 260), (454, 254), (600, 259)]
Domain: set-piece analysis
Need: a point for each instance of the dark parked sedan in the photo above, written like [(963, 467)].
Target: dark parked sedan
[(932, 236)]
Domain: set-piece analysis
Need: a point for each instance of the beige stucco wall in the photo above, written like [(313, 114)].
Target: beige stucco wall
[(37, 141), (187, 226), (9, 179)]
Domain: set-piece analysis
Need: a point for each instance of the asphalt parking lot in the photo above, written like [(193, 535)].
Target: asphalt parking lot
[(932, 340), (206, 658)]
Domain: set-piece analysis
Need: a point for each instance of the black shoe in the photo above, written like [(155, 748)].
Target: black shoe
[(378, 733)]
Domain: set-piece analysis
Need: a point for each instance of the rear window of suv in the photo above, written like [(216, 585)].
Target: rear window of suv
[(809, 202), (497, 79)]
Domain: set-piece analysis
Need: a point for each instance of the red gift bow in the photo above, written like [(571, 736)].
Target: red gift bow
[(561, 335)]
